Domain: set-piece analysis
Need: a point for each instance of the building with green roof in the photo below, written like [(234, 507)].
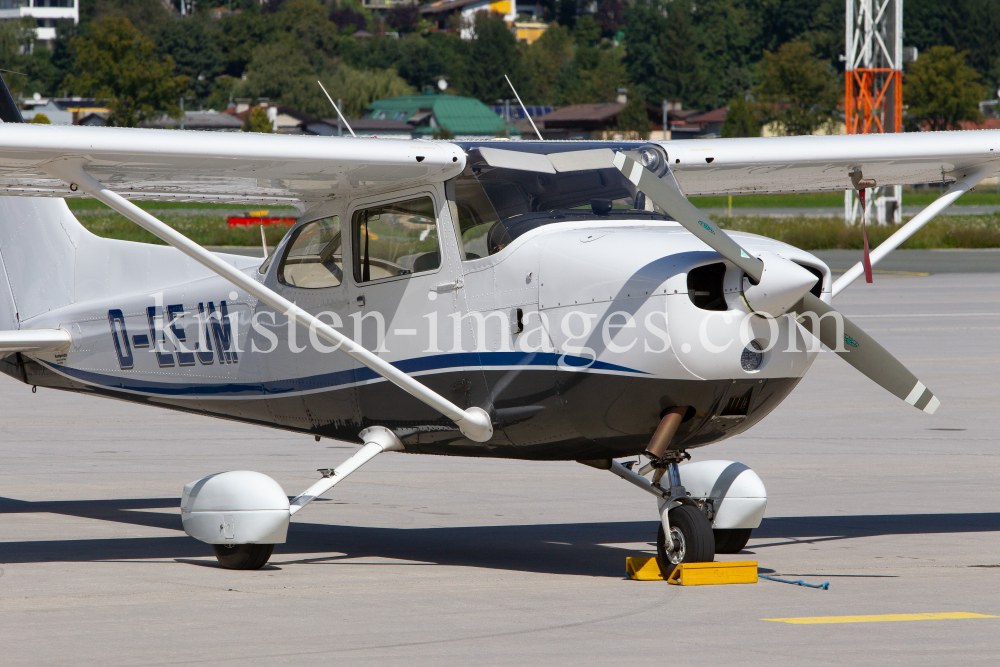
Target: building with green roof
[(430, 113)]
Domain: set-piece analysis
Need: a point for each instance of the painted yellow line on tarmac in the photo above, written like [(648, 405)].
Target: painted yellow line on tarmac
[(878, 618)]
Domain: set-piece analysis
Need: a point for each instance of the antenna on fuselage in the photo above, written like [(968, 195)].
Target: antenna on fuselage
[(337, 109), (263, 239), (523, 108)]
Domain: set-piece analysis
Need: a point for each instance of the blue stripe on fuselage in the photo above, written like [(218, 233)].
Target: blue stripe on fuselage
[(339, 379)]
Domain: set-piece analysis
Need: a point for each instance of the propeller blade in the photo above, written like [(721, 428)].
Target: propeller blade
[(861, 351), (688, 215)]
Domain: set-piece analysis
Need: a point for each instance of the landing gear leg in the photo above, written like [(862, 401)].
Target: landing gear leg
[(685, 534)]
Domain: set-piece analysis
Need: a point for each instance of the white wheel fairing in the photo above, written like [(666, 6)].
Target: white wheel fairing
[(737, 492)]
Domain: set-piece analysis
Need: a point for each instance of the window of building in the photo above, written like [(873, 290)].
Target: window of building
[(314, 257), (395, 240)]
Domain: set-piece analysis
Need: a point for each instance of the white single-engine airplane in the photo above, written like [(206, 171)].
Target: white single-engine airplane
[(528, 300)]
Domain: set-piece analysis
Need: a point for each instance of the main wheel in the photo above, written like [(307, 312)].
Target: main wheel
[(731, 540), (692, 537), (242, 556)]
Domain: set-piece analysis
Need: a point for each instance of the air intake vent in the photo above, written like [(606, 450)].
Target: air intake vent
[(737, 405), (705, 285)]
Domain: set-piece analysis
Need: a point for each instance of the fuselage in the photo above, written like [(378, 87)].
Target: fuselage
[(575, 332)]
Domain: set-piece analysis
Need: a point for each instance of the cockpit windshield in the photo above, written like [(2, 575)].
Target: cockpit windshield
[(508, 190)]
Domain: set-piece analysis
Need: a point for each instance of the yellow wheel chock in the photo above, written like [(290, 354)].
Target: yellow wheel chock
[(693, 574)]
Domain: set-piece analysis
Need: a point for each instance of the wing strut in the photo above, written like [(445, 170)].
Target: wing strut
[(968, 181), (474, 422)]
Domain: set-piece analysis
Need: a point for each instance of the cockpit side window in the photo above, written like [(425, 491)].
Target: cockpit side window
[(472, 213), (314, 258), (396, 239)]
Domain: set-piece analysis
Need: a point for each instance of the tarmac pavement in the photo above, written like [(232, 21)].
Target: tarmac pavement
[(423, 560)]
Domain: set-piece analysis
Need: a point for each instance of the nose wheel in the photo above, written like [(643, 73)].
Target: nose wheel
[(242, 556), (692, 540)]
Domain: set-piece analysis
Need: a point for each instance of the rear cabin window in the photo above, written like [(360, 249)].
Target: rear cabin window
[(315, 256), (395, 239)]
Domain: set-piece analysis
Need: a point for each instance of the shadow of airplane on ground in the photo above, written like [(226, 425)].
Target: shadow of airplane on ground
[(561, 548)]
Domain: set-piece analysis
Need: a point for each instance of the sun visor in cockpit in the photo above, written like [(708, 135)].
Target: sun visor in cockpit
[(502, 159), (597, 158)]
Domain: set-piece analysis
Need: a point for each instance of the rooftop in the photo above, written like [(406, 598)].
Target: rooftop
[(584, 112), (463, 116)]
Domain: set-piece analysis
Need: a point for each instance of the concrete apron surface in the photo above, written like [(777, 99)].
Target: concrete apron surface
[(423, 560)]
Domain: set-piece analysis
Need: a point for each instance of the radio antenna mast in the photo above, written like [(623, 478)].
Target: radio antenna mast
[(337, 109), (523, 108)]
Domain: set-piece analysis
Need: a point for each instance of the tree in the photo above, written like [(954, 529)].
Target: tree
[(146, 15), (726, 31), (196, 56), (942, 90), (546, 58), (802, 91), (119, 66), (634, 118), (16, 38), (279, 71), (414, 57), (968, 25), (611, 16), (594, 75), (741, 120), (403, 17), (257, 121), (236, 37), (359, 88), (347, 19), (663, 57), (494, 54), (40, 119)]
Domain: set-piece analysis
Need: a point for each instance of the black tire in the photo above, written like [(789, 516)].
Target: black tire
[(242, 556), (697, 542), (731, 540)]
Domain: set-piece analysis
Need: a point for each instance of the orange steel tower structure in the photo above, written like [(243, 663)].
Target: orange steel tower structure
[(873, 100)]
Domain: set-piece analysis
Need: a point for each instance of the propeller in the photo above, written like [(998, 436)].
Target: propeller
[(861, 351), (776, 286)]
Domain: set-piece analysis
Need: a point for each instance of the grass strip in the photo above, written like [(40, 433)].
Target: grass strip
[(982, 197), (211, 230), (953, 231)]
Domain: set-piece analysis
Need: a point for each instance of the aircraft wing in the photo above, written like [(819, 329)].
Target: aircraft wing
[(168, 165), (811, 163)]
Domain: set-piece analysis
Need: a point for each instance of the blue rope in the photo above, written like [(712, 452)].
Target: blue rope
[(825, 586)]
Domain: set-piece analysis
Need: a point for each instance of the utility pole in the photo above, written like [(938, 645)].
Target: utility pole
[(340, 125), (873, 100)]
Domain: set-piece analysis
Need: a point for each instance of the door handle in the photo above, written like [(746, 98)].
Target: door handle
[(447, 287)]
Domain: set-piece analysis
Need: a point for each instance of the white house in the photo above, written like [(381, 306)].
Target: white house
[(46, 12)]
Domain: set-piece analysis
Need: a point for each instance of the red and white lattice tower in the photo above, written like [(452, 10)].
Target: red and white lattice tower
[(873, 102)]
